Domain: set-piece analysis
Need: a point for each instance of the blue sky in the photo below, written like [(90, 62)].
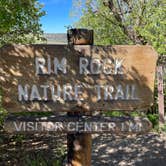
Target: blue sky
[(57, 15)]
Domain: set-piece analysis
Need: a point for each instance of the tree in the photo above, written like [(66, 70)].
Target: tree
[(19, 21), (125, 21)]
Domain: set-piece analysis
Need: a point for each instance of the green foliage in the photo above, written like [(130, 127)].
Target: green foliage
[(124, 22), (33, 114), (40, 160), (61, 152), (114, 113), (19, 21), (18, 138), (153, 24), (163, 128), (99, 19), (123, 113), (154, 119), (137, 114)]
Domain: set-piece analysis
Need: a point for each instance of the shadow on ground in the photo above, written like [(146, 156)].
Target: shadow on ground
[(32, 150), (142, 150), (108, 150)]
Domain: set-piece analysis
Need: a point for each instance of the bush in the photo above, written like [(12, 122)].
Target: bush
[(154, 119)]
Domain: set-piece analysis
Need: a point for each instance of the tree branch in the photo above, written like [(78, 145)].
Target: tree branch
[(119, 16)]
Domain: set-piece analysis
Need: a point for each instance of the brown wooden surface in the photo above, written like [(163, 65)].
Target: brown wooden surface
[(79, 149), (17, 67), (79, 145), (77, 125), (80, 37)]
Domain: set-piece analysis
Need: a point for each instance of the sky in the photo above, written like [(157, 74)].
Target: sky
[(57, 15)]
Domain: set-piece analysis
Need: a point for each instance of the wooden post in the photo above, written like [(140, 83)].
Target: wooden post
[(160, 95), (79, 144)]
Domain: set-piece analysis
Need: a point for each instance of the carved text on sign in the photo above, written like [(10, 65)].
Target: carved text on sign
[(74, 93), (86, 66), (63, 78), (68, 92)]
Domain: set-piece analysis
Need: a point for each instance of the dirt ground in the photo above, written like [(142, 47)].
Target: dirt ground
[(107, 150), (142, 150)]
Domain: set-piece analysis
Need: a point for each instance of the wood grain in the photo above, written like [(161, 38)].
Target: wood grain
[(79, 124), (17, 66)]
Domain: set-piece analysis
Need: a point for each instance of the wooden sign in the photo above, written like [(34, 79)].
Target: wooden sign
[(68, 78), (61, 124)]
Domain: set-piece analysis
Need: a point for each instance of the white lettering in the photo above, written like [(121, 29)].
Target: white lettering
[(133, 93), (71, 126), (40, 65), (119, 93), (98, 87), (67, 92), (45, 88), (127, 92), (118, 66), (78, 92), (62, 66), (88, 127), (95, 66), (108, 92), (55, 97), (30, 126), (58, 126), (18, 127), (22, 93), (35, 93), (83, 65), (107, 69), (111, 126)]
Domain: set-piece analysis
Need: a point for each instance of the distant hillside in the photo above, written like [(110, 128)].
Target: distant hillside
[(56, 38)]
